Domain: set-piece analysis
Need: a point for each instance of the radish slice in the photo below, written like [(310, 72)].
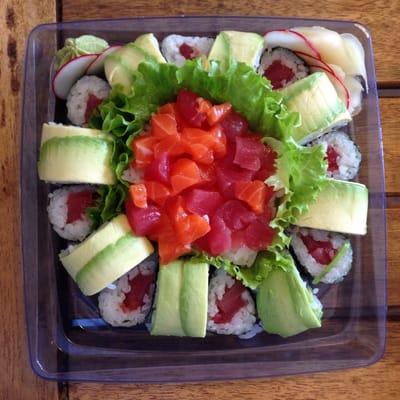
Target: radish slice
[(290, 39), (335, 74), (338, 83), (97, 66), (354, 47), (69, 73)]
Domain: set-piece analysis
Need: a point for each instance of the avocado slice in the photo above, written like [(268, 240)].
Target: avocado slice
[(244, 47), (166, 319), (194, 299), (73, 261), (221, 50), (122, 63), (340, 254), (112, 262), (77, 159), (318, 104), (149, 44), (341, 206), (181, 301), (50, 131), (285, 305)]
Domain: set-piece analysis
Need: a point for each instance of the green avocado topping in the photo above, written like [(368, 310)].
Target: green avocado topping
[(342, 251), (75, 47)]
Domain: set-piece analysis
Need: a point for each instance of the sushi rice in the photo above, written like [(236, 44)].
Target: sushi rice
[(111, 298), (170, 47), (242, 256), (79, 94), (58, 213), (243, 321), (349, 157), (343, 265)]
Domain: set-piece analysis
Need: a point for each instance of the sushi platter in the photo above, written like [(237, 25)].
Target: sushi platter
[(207, 191)]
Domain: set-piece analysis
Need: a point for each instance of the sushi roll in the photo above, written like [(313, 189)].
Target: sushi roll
[(87, 93), (127, 301), (177, 49), (343, 155), (231, 309), (67, 208), (282, 67), (327, 256)]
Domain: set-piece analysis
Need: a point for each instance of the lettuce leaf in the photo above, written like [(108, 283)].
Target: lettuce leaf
[(300, 176), (253, 276), (108, 205)]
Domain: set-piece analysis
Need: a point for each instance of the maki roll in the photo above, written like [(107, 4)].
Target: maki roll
[(177, 49), (342, 154), (87, 93), (282, 67), (67, 209), (127, 301), (231, 309), (326, 256)]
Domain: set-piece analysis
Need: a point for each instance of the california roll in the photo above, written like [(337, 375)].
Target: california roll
[(231, 309), (84, 97), (326, 256), (67, 211), (127, 301), (177, 49), (282, 67), (342, 154)]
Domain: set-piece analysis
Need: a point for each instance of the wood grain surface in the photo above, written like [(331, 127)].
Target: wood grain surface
[(17, 381), (390, 112), (379, 381), (380, 17)]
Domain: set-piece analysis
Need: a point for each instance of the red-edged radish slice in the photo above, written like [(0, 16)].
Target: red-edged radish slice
[(97, 65), (290, 39), (354, 47), (349, 88), (69, 73), (336, 76)]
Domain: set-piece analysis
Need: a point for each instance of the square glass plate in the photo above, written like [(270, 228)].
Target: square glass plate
[(65, 340)]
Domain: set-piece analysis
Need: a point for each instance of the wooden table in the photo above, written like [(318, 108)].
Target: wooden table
[(379, 381)]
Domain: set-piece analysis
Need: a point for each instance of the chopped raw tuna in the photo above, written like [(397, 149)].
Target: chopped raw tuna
[(203, 202), (77, 204), (140, 286), (158, 169), (143, 221), (322, 251), (92, 103), (235, 214), (230, 303), (199, 162), (219, 237), (332, 156)]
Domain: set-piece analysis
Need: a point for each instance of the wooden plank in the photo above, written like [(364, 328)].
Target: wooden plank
[(390, 109), (393, 230), (17, 381), (379, 381), (379, 16)]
